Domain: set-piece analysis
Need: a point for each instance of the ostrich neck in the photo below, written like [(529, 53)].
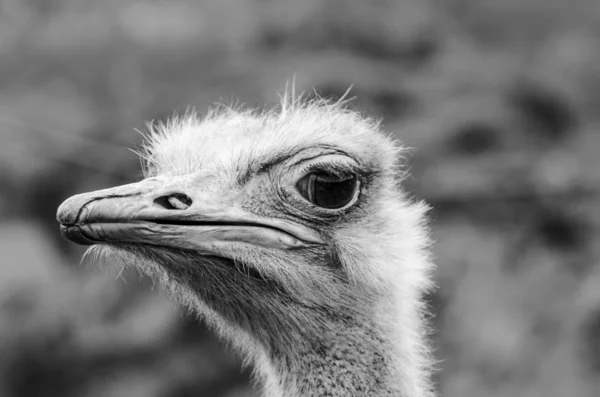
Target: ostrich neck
[(372, 346), (348, 360)]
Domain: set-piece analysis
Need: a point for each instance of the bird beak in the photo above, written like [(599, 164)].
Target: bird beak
[(154, 212)]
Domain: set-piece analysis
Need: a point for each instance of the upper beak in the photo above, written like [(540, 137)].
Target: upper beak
[(152, 212)]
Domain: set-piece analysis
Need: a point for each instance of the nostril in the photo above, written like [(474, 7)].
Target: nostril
[(180, 201), (176, 201)]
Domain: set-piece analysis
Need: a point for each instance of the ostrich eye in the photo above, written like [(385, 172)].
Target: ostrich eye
[(327, 190)]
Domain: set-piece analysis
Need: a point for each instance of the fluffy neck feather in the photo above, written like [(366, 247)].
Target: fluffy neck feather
[(354, 358), (374, 354)]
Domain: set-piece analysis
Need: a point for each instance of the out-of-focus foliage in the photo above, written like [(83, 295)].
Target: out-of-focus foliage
[(499, 98)]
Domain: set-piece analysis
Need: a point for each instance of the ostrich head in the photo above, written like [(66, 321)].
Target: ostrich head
[(289, 233)]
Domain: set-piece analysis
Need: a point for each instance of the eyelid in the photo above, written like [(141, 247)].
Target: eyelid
[(329, 168), (324, 163), (332, 177)]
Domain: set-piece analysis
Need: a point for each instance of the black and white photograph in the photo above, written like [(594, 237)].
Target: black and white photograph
[(299, 198)]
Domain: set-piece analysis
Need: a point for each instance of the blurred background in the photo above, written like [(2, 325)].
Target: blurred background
[(499, 98)]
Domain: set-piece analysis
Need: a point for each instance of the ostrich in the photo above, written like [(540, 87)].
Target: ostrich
[(288, 232)]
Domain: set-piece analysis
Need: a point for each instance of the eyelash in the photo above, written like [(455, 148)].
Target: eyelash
[(339, 170), (327, 167)]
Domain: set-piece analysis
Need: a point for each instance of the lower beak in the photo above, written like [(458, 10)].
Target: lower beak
[(152, 212)]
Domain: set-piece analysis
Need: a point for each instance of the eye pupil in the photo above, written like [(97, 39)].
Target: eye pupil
[(327, 190)]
